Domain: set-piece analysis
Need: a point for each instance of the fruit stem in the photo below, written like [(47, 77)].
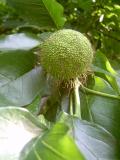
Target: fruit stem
[(71, 104), (77, 100), (85, 89)]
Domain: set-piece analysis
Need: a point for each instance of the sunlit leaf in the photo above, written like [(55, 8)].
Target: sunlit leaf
[(17, 127), (18, 41), (55, 144)]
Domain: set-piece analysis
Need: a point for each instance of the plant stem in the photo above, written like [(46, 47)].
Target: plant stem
[(84, 89), (71, 105), (77, 101)]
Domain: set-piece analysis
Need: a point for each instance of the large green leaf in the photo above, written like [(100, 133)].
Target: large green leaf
[(92, 140), (44, 13), (54, 145), (104, 111), (14, 64), (15, 56), (24, 89), (19, 84), (19, 41), (17, 127)]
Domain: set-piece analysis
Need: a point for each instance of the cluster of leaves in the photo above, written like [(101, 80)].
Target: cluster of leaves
[(99, 20), (34, 117)]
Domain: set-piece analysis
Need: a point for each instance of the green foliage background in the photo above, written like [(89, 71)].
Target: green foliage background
[(26, 90)]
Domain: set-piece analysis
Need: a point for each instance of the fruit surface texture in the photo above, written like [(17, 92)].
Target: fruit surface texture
[(66, 54)]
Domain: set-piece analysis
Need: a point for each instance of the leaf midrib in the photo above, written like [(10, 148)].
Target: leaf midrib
[(49, 13)]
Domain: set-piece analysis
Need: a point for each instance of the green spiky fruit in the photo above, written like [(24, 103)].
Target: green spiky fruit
[(66, 54)]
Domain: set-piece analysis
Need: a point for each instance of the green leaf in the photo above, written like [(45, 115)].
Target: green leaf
[(15, 56), (44, 13), (17, 128), (54, 145), (105, 111), (19, 41), (2, 1), (14, 64), (24, 89), (34, 106), (93, 141), (19, 84), (86, 5), (102, 62)]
